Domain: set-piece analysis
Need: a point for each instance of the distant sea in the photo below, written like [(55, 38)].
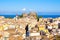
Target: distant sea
[(44, 16)]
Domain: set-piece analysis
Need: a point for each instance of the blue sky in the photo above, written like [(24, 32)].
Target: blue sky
[(29, 5)]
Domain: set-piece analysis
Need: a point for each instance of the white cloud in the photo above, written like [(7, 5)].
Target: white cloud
[(24, 9)]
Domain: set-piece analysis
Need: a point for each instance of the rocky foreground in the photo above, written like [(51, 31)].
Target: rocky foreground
[(39, 28)]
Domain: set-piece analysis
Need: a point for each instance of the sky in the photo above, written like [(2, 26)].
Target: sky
[(12, 6)]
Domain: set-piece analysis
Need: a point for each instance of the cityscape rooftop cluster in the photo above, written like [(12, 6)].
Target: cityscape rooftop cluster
[(15, 28)]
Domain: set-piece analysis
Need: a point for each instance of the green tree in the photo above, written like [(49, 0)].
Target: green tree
[(40, 17), (20, 16)]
